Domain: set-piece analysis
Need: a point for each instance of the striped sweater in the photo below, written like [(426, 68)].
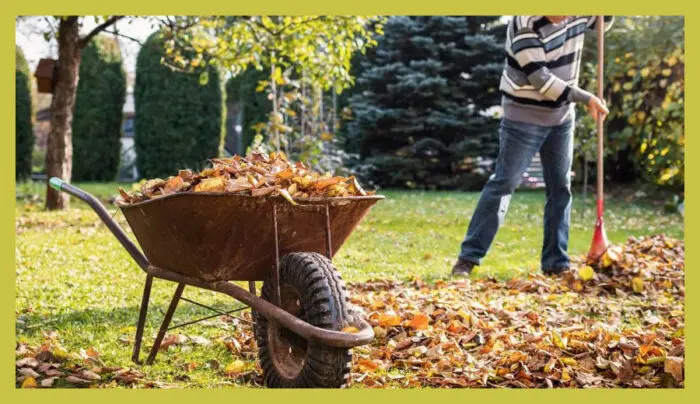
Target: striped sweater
[(540, 77)]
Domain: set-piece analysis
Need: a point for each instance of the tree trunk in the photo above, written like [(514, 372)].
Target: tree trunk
[(59, 150)]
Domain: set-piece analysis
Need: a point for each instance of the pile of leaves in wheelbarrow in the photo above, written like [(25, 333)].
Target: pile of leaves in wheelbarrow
[(618, 325), (257, 174)]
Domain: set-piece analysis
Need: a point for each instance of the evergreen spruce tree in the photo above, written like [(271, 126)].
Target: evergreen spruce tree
[(416, 109)]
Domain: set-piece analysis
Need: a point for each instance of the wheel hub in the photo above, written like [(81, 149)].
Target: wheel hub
[(287, 349)]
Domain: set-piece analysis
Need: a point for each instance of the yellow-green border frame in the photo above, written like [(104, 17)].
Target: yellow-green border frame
[(300, 7)]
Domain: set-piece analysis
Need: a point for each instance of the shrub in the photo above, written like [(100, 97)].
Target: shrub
[(645, 89), (179, 119), (24, 134), (99, 104)]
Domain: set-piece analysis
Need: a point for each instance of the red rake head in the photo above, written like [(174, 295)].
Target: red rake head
[(599, 244), (600, 241)]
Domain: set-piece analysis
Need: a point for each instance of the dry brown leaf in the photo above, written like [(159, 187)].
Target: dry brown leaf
[(29, 372), (237, 185), (128, 376), (77, 380), (27, 362), (674, 367), (263, 191), (186, 175), (172, 339)]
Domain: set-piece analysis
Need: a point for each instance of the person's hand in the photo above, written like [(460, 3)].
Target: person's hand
[(596, 107)]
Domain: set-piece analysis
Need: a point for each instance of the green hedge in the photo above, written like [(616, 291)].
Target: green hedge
[(99, 104), (24, 134), (179, 121)]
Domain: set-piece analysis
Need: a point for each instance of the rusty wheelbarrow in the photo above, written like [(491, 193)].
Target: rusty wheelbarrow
[(303, 321)]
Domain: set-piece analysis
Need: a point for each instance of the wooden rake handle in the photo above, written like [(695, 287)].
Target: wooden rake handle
[(601, 35)]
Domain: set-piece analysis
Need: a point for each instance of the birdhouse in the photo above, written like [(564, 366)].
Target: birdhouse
[(46, 74)]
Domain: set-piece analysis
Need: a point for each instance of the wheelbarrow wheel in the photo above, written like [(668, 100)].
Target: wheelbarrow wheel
[(311, 289)]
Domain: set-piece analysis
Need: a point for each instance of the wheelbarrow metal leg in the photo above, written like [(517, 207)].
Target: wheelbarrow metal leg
[(166, 322), (276, 272), (142, 319), (253, 315), (329, 246)]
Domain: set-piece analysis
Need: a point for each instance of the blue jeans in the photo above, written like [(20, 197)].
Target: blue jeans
[(519, 142)]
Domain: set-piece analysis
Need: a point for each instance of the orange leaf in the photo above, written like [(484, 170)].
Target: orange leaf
[(455, 326), (419, 322), (367, 365), (286, 173), (91, 352), (389, 319), (327, 182), (125, 196), (173, 185)]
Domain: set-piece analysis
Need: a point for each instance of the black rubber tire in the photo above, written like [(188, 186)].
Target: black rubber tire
[(324, 303)]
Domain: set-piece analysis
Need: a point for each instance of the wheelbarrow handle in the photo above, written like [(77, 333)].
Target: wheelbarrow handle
[(60, 185)]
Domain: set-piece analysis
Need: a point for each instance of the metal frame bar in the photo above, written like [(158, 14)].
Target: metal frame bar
[(166, 321), (276, 273), (221, 313), (168, 318), (227, 313), (142, 319), (329, 245), (253, 313)]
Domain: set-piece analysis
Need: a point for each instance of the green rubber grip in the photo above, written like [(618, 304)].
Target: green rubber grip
[(56, 183)]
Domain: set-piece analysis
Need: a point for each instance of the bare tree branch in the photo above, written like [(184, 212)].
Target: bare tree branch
[(119, 34), (53, 30), (284, 28), (110, 21)]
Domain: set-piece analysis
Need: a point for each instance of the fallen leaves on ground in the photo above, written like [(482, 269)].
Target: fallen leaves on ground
[(590, 328), (257, 174), (41, 367), (533, 332)]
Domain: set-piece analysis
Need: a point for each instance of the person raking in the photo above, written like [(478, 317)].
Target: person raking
[(539, 87)]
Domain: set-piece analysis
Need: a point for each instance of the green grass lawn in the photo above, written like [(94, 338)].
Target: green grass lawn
[(73, 277)]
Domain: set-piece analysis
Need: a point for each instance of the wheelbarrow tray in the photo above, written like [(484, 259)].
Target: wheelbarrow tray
[(223, 236)]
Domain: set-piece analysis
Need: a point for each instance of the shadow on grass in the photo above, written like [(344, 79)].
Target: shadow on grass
[(122, 318)]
